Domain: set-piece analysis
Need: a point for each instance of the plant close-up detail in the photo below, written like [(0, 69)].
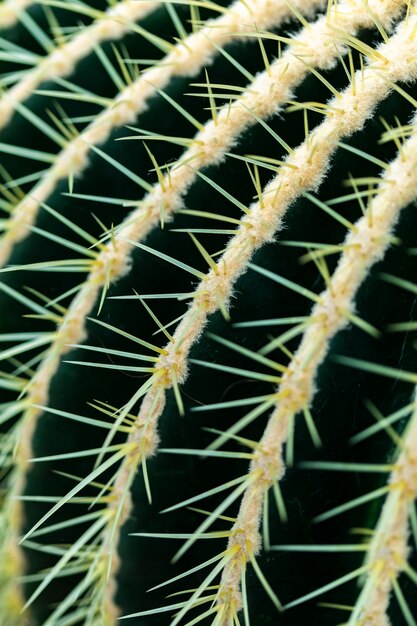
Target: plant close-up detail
[(208, 321)]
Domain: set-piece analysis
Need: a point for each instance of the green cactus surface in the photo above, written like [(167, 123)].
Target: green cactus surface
[(208, 313)]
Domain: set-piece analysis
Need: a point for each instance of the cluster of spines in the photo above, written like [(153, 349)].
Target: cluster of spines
[(172, 362), (61, 58), (184, 59)]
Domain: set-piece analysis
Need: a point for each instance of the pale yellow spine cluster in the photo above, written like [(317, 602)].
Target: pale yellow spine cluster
[(113, 24), (185, 59), (388, 550), (364, 246), (10, 11)]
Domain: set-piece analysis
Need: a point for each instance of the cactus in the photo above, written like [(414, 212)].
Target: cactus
[(207, 289)]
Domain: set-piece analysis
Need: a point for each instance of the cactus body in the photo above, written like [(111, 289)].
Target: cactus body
[(207, 359)]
